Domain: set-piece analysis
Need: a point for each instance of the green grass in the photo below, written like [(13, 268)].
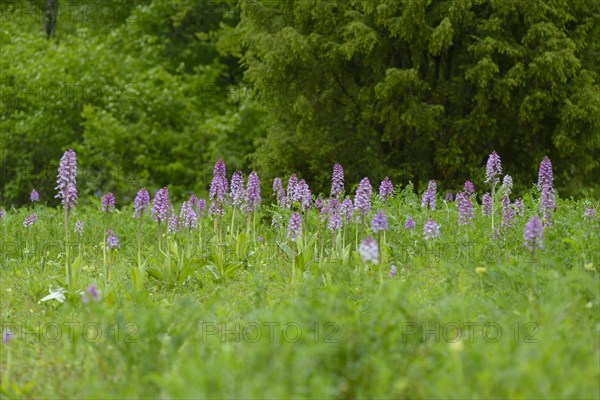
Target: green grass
[(529, 323)]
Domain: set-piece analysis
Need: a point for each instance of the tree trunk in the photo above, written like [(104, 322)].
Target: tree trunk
[(51, 17)]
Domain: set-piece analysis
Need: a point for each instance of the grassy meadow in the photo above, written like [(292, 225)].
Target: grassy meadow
[(234, 308)]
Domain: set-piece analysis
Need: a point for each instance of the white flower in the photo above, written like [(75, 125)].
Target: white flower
[(55, 294)]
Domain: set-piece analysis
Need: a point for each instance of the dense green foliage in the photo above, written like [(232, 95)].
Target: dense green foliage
[(528, 322), (436, 85), (151, 97), (159, 89)]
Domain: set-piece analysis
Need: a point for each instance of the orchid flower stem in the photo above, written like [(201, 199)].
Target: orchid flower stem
[(140, 242), (67, 263)]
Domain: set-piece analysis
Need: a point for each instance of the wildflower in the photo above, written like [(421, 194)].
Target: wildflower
[(277, 221), (335, 222), (112, 241), (199, 205), (66, 180), (545, 175), (34, 196), (469, 188), (187, 215), (319, 203), (428, 199), (393, 271), (547, 203), (7, 336), (277, 185), (78, 227), (252, 196), (216, 208), (141, 202), (294, 226), (493, 168), (465, 209), (331, 208), (362, 199), (160, 205), (449, 196), (431, 230), (303, 195), (282, 199), (379, 222), (219, 184), (57, 294), (534, 234), (386, 189), (291, 188), (519, 207), (337, 181), (507, 212), (369, 250), (507, 184), (173, 224), (30, 220), (486, 205), (347, 210), (409, 223), (2, 213), (237, 189), (108, 202), (91, 292), (589, 214)]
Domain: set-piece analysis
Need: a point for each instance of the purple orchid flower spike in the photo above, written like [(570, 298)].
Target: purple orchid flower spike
[(66, 180), (294, 227), (337, 181), (141, 203), (108, 202), (386, 189), (369, 250), (34, 196), (493, 169)]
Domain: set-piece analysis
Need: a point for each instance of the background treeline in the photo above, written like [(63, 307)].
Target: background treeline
[(152, 92)]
